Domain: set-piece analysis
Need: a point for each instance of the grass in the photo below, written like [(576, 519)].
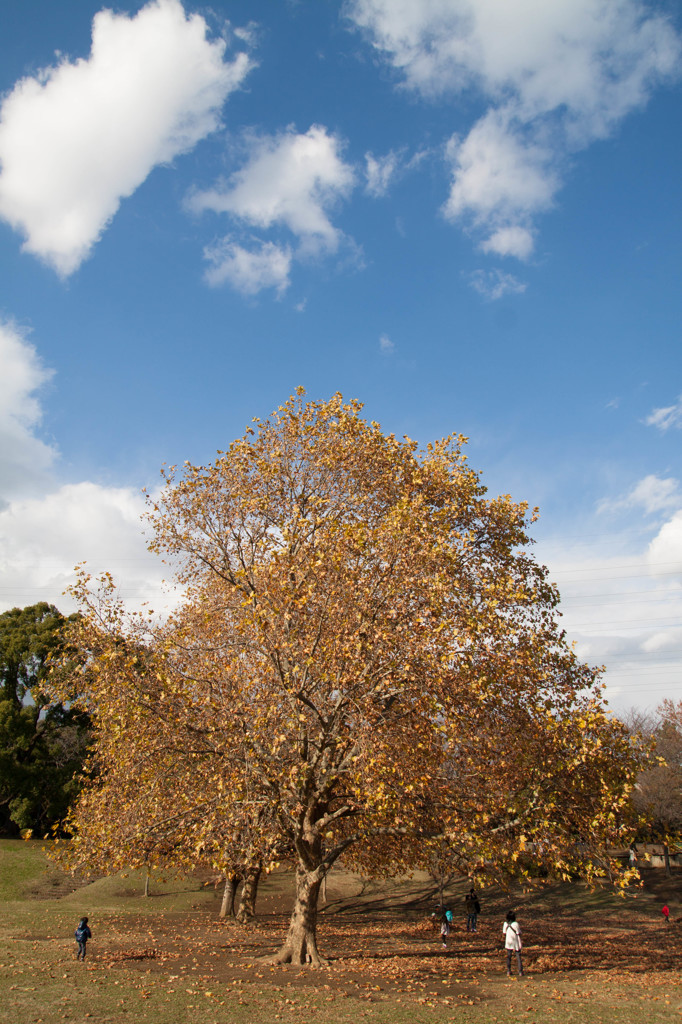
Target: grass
[(591, 958), (20, 864)]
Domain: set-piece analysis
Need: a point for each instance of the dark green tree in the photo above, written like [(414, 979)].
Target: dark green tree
[(42, 743)]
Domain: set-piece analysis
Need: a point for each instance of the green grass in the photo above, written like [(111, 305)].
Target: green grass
[(21, 863), (209, 971)]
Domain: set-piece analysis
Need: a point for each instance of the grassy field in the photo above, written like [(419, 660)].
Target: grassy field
[(168, 959)]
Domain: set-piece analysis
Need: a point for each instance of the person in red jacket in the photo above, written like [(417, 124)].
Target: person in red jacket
[(666, 913)]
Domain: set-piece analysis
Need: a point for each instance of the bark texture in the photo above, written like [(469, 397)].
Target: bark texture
[(300, 945), (247, 899), (229, 894)]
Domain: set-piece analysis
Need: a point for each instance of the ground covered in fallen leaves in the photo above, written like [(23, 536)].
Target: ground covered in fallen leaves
[(169, 958)]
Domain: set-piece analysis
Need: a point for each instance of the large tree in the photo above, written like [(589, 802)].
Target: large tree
[(42, 744), (368, 660)]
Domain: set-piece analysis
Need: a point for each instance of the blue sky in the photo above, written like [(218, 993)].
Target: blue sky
[(467, 215)]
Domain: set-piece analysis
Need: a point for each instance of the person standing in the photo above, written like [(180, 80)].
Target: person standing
[(473, 908), (512, 942), (666, 913), (444, 929), (83, 933)]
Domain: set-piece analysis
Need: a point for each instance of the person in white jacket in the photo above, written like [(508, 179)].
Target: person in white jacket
[(512, 941)]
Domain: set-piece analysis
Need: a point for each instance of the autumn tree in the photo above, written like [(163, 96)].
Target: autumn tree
[(657, 795), (145, 802), (368, 661)]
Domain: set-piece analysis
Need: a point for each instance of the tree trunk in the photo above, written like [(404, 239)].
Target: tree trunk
[(666, 855), (300, 945), (229, 894), (146, 882), (247, 900)]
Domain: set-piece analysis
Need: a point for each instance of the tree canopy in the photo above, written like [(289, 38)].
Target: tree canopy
[(368, 663), (42, 744)]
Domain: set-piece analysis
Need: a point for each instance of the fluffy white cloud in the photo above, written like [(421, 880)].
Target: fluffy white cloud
[(386, 345), (669, 416), (25, 460), (494, 284), (249, 271), (514, 241), (380, 171), (500, 177), (597, 57), (290, 180), (81, 136), (555, 75)]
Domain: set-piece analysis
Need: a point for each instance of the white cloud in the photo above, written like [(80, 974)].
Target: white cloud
[(43, 538), (666, 547), (84, 134), (514, 241), (45, 529), (290, 180), (500, 178), (555, 76), (663, 419), (380, 171), (621, 604), (494, 284), (386, 345), (249, 271), (25, 460), (653, 494)]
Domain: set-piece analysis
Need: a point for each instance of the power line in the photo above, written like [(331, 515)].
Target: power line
[(627, 565)]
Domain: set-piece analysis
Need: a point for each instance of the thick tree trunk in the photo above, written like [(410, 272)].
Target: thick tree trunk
[(666, 855), (229, 894), (247, 899), (300, 945)]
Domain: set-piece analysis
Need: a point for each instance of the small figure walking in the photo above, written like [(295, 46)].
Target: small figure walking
[(512, 942), (473, 908), (666, 913), (444, 929), (83, 933)]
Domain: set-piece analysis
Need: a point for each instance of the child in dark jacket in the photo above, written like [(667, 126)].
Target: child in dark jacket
[(83, 933)]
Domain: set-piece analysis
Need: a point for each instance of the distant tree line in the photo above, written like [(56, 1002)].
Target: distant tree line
[(42, 742), (657, 796)]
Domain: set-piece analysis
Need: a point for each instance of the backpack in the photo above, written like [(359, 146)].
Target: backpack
[(81, 933)]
